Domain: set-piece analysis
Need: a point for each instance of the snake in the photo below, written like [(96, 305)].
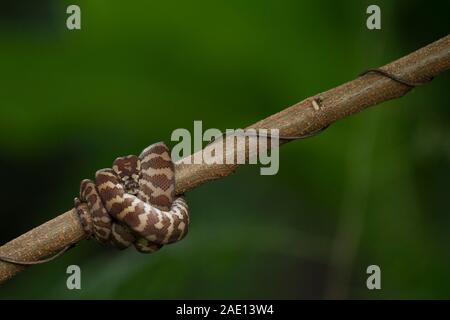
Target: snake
[(134, 202)]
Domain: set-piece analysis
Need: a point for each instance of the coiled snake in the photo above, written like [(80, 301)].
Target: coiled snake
[(134, 202)]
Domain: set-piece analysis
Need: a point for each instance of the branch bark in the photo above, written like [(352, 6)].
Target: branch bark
[(297, 120)]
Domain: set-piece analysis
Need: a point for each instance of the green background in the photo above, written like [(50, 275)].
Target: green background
[(372, 189)]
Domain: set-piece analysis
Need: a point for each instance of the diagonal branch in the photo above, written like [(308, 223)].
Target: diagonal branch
[(301, 119)]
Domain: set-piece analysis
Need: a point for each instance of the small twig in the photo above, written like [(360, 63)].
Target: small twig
[(301, 119)]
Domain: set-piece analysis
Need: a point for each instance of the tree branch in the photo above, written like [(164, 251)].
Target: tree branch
[(301, 119)]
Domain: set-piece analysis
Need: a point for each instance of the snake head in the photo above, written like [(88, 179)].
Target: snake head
[(128, 170)]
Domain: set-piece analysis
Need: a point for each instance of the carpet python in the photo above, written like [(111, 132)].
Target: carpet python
[(134, 202)]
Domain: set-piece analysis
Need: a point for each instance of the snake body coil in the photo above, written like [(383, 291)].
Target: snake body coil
[(134, 202)]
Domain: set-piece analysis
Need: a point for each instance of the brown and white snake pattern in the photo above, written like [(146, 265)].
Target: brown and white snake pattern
[(134, 202)]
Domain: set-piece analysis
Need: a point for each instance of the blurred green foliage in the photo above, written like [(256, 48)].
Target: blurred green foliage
[(372, 189)]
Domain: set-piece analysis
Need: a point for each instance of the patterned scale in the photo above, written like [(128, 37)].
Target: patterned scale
[(134, 202)]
